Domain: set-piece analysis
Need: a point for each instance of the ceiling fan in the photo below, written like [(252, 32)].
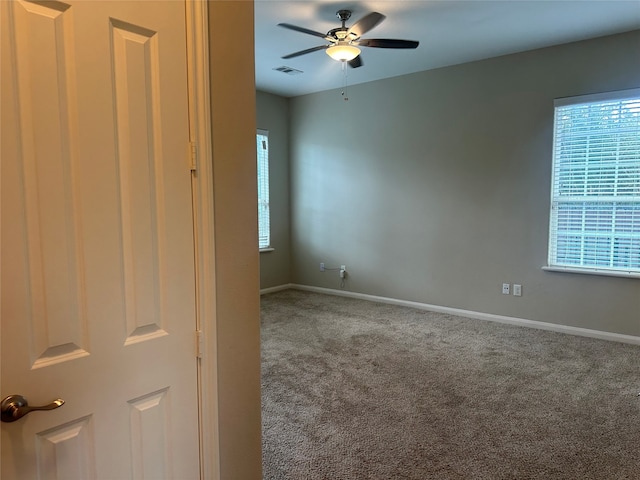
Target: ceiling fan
[(344, 42)]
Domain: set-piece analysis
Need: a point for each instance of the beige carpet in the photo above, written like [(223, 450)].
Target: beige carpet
[(360, 390)]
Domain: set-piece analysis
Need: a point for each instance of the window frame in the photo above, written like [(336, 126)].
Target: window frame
[(552, 263), (264, 219)]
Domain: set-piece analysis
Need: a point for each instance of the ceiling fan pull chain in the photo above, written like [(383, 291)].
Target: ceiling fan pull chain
[(345, 93)]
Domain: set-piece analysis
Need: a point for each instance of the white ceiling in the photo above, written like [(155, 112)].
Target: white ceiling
[(449, 31)]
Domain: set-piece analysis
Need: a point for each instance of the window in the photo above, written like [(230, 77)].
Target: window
[(264, 234), (595, 191)]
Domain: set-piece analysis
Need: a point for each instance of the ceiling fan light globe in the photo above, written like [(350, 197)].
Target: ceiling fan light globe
[(343, 53)]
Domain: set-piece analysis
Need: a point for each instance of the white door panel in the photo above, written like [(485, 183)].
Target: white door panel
[(98, 294)]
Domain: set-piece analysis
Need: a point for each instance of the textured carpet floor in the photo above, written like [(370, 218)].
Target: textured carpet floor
[(361, 390)]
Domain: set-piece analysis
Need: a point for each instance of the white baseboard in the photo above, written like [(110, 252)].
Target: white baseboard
[(583, 332), (277, 288)]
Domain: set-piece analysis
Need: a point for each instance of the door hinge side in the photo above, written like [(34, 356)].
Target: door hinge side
[(193, 156), (199, 344)]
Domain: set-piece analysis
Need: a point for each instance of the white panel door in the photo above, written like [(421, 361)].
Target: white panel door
[(98, 283)]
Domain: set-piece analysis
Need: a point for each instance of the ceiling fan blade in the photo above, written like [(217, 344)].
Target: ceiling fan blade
[(366, 23), (386, 43), (356, 62), (303, 30), (308, 50)]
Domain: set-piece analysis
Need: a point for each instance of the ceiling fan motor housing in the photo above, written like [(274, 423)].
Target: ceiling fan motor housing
[(341, 35)]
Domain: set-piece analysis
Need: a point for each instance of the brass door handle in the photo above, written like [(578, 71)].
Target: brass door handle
[(14, 407)]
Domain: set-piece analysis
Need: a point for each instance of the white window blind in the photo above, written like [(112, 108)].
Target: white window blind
[(264, 234), (595, 197)]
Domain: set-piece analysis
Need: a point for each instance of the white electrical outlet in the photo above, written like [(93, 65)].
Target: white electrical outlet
[(505, 289), (322, 267), (517, 290), (343, 267)]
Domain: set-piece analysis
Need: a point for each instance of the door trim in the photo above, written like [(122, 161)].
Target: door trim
[(204, 238)]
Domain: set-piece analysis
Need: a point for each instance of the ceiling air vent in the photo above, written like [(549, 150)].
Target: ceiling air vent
[(288, 70)]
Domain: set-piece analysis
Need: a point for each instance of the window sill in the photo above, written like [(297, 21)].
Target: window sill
[(595, 271), (267, 249)]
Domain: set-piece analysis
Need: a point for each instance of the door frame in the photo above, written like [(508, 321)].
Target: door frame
[(204, 239)]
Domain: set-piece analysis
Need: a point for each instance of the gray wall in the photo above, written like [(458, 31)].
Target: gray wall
[(272, 114), (434, 187)]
